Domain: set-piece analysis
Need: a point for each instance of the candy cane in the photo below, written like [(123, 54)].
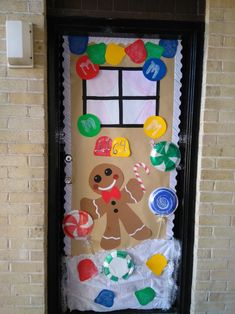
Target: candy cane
[(135, 169)]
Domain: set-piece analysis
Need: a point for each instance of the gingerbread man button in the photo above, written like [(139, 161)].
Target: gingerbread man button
[(107, 180)]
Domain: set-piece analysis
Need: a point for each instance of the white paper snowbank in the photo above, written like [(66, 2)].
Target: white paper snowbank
[(81, 295)]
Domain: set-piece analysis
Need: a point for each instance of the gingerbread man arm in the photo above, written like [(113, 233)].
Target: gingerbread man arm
[(132, 192), (93, 207)]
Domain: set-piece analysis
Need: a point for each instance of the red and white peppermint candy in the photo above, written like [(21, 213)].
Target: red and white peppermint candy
[(77, 224), (135, 169)]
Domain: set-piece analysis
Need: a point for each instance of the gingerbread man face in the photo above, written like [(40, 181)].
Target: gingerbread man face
[(107, 180), (105, 177)]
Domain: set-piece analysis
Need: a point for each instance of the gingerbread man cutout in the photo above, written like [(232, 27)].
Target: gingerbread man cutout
[(107, 180)]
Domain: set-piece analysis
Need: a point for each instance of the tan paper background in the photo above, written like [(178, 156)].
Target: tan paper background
[(84, 160)]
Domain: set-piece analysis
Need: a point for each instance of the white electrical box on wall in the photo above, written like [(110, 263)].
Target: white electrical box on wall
[(19, 42)]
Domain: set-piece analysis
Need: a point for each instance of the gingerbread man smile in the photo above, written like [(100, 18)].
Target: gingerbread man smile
[(107, 180), (108, 187)]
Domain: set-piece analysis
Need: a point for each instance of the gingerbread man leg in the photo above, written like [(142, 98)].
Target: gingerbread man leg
[(134, 225), (111, 237)]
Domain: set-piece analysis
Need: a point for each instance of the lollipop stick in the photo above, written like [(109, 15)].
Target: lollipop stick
[(89, 241), (160, 219)]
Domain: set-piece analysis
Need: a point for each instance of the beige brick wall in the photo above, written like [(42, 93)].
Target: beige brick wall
[(22, 169), (214, 254)]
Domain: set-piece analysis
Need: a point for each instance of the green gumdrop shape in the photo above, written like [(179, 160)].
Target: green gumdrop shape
[(153, 51), (145, 296), (96, 53)]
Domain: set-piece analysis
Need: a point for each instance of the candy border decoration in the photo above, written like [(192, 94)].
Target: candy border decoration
[(115, 60)]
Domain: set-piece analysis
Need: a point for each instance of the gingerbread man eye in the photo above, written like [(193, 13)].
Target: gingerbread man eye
[(108, 172), (97, 178)]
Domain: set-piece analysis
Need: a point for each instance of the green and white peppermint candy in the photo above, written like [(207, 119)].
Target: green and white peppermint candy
[(165, 156), (117, 265)]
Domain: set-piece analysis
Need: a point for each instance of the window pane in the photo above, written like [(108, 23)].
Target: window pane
[(106, 110), (137, 111), (104, 84), (136, 84)]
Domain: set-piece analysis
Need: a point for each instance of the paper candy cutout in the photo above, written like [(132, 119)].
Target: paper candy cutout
[(170, 47), (77, 224), (153, 50), (105, 298), (117, 265), (136, 51), (88, 125), (136, 172), (163, 201), (145, 296), (155, 126), (157, 263), (120, 147), (86, 269), (154, 69), (96, 53), (107, 180), (114, 54), (103, 146), (165, 156), (78, 44), (86, 69)]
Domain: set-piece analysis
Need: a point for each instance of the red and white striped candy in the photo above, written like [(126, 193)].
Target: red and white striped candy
[(77, 224), (135, 169)]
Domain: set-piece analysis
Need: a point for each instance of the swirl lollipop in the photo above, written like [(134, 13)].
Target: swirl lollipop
[(163, 202)]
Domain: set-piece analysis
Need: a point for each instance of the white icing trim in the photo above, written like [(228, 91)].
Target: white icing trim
[(113, 238), (96, 208), (130, 195), (138, 229)]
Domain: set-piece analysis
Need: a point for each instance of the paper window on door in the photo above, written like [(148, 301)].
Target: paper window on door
[(121, 97), (121, 142)]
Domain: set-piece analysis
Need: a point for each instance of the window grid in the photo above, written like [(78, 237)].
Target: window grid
[(120, 97)]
